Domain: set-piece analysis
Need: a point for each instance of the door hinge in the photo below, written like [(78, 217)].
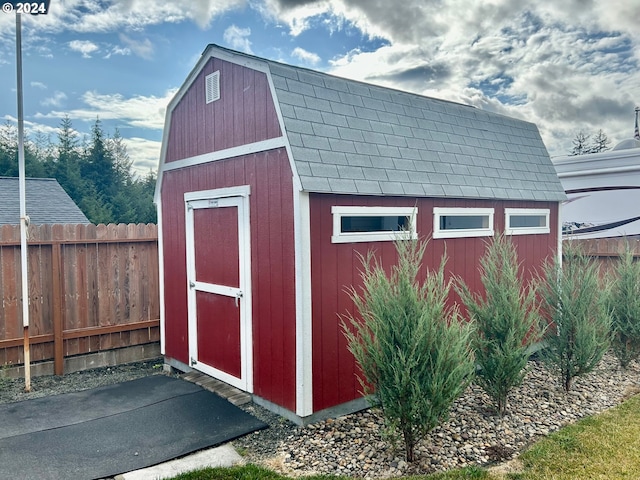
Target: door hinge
[(192, 284), (193, 361), (238, 297)]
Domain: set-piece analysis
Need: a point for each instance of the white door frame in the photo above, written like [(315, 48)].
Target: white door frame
[(218, 198)]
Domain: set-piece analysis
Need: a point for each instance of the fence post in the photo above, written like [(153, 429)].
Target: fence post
[(58, 340)]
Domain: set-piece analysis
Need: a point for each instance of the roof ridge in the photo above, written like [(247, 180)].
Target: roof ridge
[(333, 75)]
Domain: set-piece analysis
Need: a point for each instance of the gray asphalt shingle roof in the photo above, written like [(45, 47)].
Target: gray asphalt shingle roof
[(355, 138), (46, 201)]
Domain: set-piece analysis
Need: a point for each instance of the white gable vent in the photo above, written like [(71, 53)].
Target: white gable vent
[(212, 86)]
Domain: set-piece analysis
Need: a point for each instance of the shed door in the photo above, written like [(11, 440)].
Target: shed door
[(219, 301)]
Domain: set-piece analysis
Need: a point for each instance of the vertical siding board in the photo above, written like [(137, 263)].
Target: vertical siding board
[(249, 101), (261, 98), (198, 117), (277, 283), (237, 108), (262, 306)]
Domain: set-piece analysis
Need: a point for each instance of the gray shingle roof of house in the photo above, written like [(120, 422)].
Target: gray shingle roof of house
[(46, 202)]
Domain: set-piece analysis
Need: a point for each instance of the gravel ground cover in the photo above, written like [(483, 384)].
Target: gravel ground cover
[(354, 445)]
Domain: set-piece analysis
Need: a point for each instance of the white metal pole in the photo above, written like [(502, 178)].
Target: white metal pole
[(23, 210)]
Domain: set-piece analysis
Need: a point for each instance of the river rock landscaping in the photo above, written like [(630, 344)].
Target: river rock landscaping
[(354, 445)]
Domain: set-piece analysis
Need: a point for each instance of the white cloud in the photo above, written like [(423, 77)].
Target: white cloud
[(31, 128), (137, 111), (305, 56), (55, 101), (125, 15), (238, 38), (145, 154), (85, 47), (118, 50), (141, 48), (39, 85)]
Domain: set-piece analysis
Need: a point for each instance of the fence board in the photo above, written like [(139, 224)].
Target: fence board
[(91, 288), (606, 251)]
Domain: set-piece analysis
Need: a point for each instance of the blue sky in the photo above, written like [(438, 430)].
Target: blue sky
[(566, 66)]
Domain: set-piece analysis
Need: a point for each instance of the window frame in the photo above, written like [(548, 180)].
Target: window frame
[(508, 212), (439, 212), (339, 211)]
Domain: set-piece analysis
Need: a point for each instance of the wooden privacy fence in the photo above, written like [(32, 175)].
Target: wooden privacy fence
[(607, 250), (91, 288)]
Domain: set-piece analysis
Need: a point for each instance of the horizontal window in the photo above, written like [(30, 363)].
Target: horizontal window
[(523, 221), (462, 222), (372, 224)]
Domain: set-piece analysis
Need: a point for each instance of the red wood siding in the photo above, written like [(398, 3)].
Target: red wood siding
[(244, 114), (335, 267), (272, 263)]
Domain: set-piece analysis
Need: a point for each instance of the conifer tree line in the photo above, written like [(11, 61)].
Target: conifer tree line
[(95, 171), (584, 143), (417, 355)]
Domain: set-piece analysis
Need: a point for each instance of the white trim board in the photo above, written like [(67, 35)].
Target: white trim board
[(232, 152)]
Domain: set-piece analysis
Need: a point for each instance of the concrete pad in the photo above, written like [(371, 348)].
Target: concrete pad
[(222, 456)]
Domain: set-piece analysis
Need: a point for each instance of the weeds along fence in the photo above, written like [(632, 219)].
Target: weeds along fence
[(91, 288)]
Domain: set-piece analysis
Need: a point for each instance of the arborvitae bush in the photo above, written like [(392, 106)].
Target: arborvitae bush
[(573, 300), (414, 353), (506, 321), (624, 303)]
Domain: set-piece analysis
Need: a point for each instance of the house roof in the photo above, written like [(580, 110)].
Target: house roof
[(46, 202), (352, 137)]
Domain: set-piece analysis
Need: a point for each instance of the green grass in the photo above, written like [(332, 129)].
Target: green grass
[(606, 446), (245, 472), (253, 472)]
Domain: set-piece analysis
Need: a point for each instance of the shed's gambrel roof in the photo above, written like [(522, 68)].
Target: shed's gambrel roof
[(46, 202), (351, 137)]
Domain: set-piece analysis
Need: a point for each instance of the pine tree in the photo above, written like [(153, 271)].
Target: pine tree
[(573, 302), (506, 321), (8, 150), (414, 352), (580, 144), (68, 163), (600, 142), (624, 305)]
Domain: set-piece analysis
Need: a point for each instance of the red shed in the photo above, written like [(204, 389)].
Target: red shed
[(273, 177)]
